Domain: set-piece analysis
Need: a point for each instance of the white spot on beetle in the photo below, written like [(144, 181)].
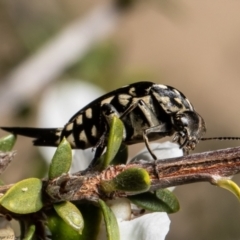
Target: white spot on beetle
[(132, 91), (172, 109), (71, 140), (69, 127), (190, 105), (164, 100), (89, 113), (124, 99), (83, 137), (107, 100), (178, 100), (79, 120), (94, 131), (162, 86), (59, 132), (176, 91)]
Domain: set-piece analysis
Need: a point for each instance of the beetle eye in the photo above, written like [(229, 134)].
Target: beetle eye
[(184, 121), (181, 121)]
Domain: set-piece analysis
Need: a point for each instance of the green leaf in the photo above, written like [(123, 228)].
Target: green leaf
[(110, 221), (30, 233), (229, 185), (24, 197), (7, 143), (169, 199), (162, 200), (61, 161), (114, 141), (92, 218), (121, 156), (61, 230), (130, 180), (70, 215)]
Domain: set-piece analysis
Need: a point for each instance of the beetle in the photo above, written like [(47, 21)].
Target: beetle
[(149, 111)]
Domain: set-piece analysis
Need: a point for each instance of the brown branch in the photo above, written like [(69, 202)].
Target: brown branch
[(5, 159), (206, 166)]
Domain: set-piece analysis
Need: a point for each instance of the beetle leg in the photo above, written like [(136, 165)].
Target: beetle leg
[(148, 113), (155, 125), (108, 112), (99, 150), (130, 109), (161, 128)]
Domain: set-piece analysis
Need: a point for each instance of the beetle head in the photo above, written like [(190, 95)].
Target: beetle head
[(189, 127)]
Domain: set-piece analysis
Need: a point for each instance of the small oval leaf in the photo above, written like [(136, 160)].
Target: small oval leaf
[(30, 233), (121, 156), (110, 221), (61, 161), (70, 215), (229, 185), (161, 201), (24, 197), (7, 143), (169, 199), (60, 230), (130, 180), (92, 218), (114, 141)]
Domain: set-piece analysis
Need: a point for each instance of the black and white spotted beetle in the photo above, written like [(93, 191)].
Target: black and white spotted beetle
[(149, 111)]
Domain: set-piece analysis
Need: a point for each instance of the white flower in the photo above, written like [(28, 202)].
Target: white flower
[(161, 150), (151, 226)]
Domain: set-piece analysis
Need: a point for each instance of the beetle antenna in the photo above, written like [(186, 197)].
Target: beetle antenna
[(220, 138)]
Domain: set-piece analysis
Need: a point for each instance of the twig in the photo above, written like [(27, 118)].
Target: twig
[(5, 159), (206, 166), (200, 167)]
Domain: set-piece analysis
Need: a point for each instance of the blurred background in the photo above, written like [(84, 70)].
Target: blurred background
[(51, 49)]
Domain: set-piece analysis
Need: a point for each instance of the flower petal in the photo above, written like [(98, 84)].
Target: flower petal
[(152, 226), (161, 150)]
